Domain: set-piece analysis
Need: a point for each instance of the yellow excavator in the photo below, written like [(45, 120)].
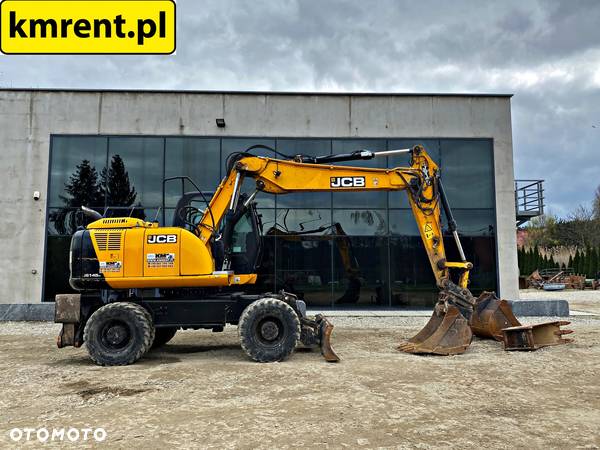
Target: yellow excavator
[(139, 283)]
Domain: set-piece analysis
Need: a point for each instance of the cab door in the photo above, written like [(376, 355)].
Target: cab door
[(246, 242)]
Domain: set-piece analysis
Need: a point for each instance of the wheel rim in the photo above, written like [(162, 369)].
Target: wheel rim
[(269, 331), (115, 335)]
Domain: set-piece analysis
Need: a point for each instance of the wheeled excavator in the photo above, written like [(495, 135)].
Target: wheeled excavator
[(138, 282)]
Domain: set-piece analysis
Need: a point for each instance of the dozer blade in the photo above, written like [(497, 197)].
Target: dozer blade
[(491, 315), (532, 337), (325, 330), (446, 333)]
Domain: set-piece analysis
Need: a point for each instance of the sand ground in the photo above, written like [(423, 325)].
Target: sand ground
[(200, 391)]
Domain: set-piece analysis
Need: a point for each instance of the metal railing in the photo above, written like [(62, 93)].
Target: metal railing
[(529, 199)]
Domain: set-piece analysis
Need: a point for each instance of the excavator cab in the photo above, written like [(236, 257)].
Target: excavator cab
[(245, 236)]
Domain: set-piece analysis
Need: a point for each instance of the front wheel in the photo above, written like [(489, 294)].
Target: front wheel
[(269, 329), (118, 334)]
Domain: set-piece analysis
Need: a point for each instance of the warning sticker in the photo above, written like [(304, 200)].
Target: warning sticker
[(160, 260), (110, 266), (428, 230)]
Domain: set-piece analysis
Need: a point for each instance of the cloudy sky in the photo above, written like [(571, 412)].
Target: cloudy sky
[(547, 53)]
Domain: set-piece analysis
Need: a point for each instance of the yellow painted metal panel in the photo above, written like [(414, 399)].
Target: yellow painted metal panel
[(161, 252), (196, 258), (134, 252), (108, 245), (213, 280)]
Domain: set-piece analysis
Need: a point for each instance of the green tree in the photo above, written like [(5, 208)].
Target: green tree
[(538, 259), (596, 203), (81, 189), (587, 262), (578, 262), (570, 263), (119, 191), (530, 261), (592, 263), (116, 185)]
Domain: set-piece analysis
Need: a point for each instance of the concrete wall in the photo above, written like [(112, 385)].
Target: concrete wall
[(28, 118)]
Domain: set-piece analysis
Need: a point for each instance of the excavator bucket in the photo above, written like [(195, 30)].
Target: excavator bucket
[(493, 318), (446, 333), (532, 337), (491, 315)]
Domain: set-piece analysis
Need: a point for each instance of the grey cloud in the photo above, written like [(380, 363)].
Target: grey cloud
[(546, 52)]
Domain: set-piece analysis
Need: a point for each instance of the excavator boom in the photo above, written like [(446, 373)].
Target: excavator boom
[(458, 315), (449, 330)]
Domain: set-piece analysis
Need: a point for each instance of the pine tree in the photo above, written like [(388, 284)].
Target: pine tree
[(592, 263), (570, 263), (521, 260), (116, 185), (80, 190), (538, 259), (588, 262), (577, 262)]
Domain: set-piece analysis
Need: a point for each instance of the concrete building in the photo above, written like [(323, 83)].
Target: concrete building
[(47, 137)]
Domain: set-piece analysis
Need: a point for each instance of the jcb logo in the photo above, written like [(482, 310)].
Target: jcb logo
[(162, 239), (344, 182)]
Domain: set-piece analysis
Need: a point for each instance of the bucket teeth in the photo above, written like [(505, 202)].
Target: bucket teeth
[(446, 333), (533, 337)]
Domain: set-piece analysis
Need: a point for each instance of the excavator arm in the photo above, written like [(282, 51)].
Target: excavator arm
[(457, 313)]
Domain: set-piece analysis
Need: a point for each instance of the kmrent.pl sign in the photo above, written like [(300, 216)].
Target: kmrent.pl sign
[(87, 27)]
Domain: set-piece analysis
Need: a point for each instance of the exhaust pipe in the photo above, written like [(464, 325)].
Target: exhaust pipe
[(92, 214)]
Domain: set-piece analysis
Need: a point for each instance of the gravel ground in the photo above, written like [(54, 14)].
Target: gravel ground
[(200, 391)]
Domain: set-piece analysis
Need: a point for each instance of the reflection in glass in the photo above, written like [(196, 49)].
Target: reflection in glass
[(56, 275), (355, 254), (360, 271), (468, 172), (143, 157), (65, 221), (197, 158), (302, 220), (412, 282), (68, 152), (304, 267), (362, 222), (403, 223)]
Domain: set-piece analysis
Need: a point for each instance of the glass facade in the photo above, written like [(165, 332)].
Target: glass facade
[(364, 249)]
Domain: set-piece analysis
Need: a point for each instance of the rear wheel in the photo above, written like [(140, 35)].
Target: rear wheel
[(163, 335), (269, 330), (118, 334)]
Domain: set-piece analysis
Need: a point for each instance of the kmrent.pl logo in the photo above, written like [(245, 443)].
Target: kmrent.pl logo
[(87, 27), (70, 434)]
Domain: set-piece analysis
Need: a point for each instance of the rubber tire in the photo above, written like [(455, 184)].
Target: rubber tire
[(163, 335), (141, 327), (251, 317)]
